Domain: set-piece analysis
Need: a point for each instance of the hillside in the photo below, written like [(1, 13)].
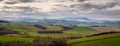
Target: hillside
[(105, 42), (101, 40)]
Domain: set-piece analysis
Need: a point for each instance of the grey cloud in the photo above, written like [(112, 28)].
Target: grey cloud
[(80, 6), (20, 9), (98, 7), (69, 0), (26, 0), (15, 1), (109, 13), (89, 6), (81, 0), (1, 0), (10, 2)]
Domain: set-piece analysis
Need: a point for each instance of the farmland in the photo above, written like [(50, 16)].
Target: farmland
[(108, 42), (7, 39), (101, 40), (108, 29), (36, 35), (32, 31)]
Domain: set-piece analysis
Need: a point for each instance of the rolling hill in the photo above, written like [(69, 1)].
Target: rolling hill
[(101, 40)]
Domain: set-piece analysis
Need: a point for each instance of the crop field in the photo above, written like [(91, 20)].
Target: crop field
[(107, 29)]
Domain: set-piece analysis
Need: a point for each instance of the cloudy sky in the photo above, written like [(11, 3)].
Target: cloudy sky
[(54, 9)]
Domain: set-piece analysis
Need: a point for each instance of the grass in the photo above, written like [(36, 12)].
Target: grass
[(32, 31), (104, 42), (94, 38), (101, 40), (22, 28), (83, 28), (81, 33), (5, 39), (53, 28)]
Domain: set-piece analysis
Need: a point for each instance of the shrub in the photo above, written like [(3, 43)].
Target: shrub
[(51, 31), (6, 31), (40, 26)]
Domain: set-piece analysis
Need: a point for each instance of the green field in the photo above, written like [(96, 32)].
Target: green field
[(75, 32), (26, 29), (29, 33), (96, 39), (14, 39), (53, 28), (83, 28), (104, 42)]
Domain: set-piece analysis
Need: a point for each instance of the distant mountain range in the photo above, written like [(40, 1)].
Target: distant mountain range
[(2, 21), (79, 21), (83, 19)]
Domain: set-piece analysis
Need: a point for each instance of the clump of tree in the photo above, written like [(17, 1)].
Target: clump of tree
[(95, 26), (41, 27), (102, 33), (4, 31), (67, 28), (51, 31), (98, 26), (38, 42), (1, 21)]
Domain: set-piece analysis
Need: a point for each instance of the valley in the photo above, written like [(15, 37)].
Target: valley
[(37, 34)]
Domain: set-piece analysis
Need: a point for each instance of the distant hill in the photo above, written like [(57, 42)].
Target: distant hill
[(72, 21), (2, 21)]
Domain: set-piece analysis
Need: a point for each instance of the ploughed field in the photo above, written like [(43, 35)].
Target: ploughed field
[(39, 35), (107, 29)]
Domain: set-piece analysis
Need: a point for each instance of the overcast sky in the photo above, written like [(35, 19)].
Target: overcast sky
[(95, 9)]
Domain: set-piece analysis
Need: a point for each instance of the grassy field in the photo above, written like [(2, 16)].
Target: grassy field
[(26, 31), (75, 32), (104, 42), (53, 28), (83, 28), (32, 31), (21, 28), (13, 39), (89, 40)]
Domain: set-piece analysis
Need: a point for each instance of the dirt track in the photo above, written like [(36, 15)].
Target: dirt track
[(107, 29)]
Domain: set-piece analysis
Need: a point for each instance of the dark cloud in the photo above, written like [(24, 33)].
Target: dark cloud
[(81, 0), (15, 1), (26, 0), (98, 7), (87, 7), (20, 9), (109, 13), (10, 2), (1, 0)]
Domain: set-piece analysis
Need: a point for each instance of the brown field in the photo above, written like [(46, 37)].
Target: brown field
[(107, 29)]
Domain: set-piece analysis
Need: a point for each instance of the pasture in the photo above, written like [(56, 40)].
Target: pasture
[(32, 31), (75, 36), (95, 39), (104, 42), (7, 39)]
